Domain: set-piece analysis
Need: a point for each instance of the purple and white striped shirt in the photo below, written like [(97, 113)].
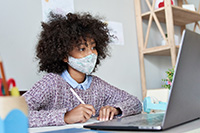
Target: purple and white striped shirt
[(51, 97)]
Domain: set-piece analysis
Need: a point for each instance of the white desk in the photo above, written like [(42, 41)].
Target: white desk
[(51, 128), (191, 127)]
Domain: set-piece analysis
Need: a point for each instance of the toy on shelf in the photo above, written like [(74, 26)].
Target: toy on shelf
[(160, 3), (151, 104)]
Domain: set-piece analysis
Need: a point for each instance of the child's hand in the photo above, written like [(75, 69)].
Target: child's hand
[(107, 113), (81, 113)]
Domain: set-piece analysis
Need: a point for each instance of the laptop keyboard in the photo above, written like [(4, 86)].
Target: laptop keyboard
[(143, 120)]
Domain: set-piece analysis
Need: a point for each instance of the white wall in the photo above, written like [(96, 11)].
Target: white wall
[(20, 26)]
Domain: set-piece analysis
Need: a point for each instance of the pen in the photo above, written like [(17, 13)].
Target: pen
[(77, 96), (4, 78)]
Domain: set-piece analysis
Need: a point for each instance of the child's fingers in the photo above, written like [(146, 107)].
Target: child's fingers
[(85, 113), (104, 113), (112, 115), (91, 108), (88, 111), (107, 115), (100, 115), (86, 116)]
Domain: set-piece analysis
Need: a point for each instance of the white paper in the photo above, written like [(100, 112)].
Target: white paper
[(57, 6), (116, 29)]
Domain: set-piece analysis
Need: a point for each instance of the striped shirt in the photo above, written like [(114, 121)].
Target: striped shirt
[(50, 98)]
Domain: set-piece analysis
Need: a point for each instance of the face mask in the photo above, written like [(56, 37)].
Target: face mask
[(85, 64)]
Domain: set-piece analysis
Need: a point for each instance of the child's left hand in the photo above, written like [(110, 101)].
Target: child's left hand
[(107, 113)]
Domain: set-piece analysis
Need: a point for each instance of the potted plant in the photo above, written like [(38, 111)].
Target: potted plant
[(168, 80)]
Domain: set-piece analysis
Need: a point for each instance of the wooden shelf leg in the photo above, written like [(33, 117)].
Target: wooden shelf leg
[(170, 31), (140, 45)]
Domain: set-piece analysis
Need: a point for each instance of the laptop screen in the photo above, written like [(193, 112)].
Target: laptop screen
[(184, 101)]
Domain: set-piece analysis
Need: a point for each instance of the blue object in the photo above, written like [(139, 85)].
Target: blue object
[(2, 89), (148, 105), (76, 130), (1, 126), (15, 122)]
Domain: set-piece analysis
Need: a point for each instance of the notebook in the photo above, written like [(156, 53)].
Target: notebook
[(184, 98)]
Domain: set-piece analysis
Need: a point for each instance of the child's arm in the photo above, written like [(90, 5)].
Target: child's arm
[(45, 103), (39, 115), (46, 118), (128, 104), (114, 97)]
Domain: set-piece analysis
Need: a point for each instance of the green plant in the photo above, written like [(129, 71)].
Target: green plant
[(168, 80)]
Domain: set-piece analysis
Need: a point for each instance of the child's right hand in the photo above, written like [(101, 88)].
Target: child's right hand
[(81, 114)]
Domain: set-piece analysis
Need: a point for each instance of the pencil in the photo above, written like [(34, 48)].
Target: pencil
[(4, 78), (77, 96)]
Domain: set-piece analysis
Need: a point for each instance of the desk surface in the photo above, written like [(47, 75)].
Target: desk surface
[(191, 127)]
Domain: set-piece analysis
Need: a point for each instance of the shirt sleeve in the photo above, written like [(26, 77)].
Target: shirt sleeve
[(46, 118), (39, 99), (126, 102)]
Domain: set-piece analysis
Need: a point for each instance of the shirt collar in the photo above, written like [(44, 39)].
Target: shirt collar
[(85, 85)]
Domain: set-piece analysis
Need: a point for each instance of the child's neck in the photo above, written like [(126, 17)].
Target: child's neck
[(76, 75)]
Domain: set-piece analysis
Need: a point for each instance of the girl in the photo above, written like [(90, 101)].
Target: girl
[(69, 49)]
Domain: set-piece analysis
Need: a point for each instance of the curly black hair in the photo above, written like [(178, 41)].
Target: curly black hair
[(62, 33)]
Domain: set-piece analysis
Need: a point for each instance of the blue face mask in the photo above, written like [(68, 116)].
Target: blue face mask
[(85, 65)]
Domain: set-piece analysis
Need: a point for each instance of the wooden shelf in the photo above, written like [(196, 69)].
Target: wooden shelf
[(181, 16), (170, 16), (159, 50)]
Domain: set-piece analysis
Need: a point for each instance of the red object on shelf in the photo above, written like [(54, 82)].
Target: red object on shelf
[(162, 4)]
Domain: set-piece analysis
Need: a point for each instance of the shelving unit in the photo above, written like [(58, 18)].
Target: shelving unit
[(181, 16), (170, 15)]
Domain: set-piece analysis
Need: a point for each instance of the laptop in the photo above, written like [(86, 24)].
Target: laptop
[(184, 98)]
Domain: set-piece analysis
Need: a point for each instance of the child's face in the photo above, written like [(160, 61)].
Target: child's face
[(83, 50)]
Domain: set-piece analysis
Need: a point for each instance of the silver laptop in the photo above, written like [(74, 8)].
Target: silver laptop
[(184, 100)]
